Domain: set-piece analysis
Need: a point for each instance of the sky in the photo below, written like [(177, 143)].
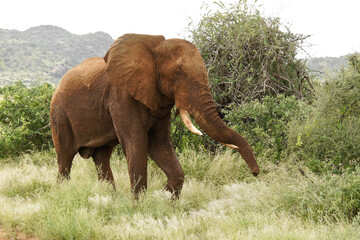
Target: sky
[(332, 24)]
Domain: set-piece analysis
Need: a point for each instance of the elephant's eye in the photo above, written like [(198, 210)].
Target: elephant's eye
[(178, 74)]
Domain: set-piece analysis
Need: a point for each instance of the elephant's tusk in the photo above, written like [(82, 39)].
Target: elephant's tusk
[(231, 146), (187, 121)]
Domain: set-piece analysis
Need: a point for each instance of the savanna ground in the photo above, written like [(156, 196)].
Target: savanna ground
[(220, 200)]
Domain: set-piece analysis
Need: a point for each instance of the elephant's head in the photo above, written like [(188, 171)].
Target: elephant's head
[(160, 73)]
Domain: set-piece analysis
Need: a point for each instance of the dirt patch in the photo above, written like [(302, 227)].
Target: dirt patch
[(14, 235)]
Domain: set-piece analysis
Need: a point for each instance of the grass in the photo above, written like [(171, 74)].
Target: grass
[(220, 200)]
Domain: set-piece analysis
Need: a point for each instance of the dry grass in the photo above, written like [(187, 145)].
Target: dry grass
[(222, 201)]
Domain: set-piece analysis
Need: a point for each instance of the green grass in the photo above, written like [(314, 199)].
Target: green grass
[(220, 200)]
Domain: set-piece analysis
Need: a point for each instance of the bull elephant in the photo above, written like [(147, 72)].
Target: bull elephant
[(126, 97)]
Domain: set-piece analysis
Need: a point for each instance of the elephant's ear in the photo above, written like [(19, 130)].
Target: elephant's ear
[(130, 65)]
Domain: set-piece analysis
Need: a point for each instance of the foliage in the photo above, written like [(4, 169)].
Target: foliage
[(46, 52), (264, 124), (249, 56), (220, 200), (354, 62), (24, 118), (182, 137), (329, 136)]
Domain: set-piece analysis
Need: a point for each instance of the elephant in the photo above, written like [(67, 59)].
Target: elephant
[(126, 98)]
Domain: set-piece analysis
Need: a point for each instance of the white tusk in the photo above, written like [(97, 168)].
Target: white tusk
[(187, 121), (231, 146)]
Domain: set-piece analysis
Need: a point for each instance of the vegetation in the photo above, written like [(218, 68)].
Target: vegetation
[(302, 192), (305, 134), (249, 56), (220, 200), (264, 124), (46, 52), (327, 134), (24, 118)]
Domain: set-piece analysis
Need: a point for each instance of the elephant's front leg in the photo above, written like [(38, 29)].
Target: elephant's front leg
[(136, 155), (162, 152), (133, 136), (134, 142)]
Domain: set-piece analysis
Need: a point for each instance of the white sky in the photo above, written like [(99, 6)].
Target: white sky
[(333, 24)]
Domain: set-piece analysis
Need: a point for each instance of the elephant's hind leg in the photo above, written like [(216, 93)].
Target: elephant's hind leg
[(65, 160), (63, 138), (101, 158)]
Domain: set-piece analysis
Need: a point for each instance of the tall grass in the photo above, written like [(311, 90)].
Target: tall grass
[(220, 200)]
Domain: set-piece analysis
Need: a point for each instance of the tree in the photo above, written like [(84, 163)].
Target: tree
[(249, 56)]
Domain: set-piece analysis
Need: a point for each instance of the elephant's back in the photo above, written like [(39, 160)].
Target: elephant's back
[(82, 75), (82, 85)]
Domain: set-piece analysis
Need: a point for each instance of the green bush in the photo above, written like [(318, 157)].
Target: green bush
[(264, 124), (249, 56), (24, 118), (328, 137), (182, 137)]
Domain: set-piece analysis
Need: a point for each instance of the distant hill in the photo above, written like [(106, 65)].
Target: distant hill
[(46, 53), (324, 65)]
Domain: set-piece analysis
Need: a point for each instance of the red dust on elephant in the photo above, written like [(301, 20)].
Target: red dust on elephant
[(126, 98)]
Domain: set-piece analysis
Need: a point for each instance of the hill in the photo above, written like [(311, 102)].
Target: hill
[(46, 52), (325, 65)]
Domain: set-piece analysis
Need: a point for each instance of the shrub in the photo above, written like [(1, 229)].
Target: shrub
[(329, 136), (264, 124), (182, 137), (249, 56), (24, 118)]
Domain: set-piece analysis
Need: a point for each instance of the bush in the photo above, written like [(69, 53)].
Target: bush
[(24, 118), (321, 197), (329, 136), (264, 124), (249, 56), (182, 137)]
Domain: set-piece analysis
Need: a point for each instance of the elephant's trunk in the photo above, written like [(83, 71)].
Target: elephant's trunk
[(203, 110)]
